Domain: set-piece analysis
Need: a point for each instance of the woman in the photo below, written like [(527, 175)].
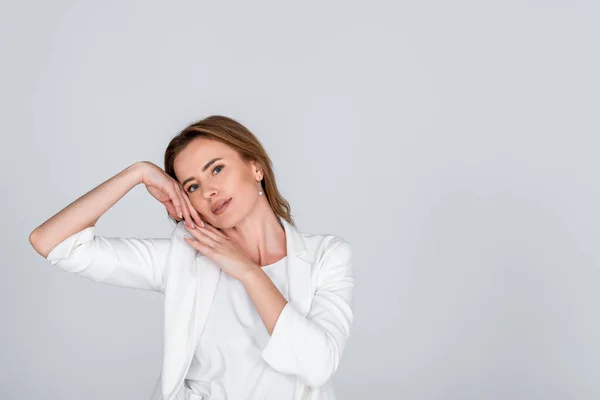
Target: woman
[(254, 309)]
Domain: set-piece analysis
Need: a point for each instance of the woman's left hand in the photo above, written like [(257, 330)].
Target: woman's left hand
[(219, 248)]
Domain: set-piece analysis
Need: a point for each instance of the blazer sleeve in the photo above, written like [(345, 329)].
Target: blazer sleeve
[(125, 262), (311, 346)]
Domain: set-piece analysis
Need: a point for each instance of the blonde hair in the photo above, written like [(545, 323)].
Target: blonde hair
[(238, 137)]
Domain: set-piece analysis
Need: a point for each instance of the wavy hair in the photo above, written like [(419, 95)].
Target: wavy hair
[(238, 137)]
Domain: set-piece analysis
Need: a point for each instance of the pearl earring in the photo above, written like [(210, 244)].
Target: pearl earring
[(260, 192)]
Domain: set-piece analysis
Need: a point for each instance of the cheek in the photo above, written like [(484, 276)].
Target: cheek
[(249, 186), (199, 204), (238, 183)]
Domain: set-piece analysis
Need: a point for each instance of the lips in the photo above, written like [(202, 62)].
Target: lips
[(220, 203)]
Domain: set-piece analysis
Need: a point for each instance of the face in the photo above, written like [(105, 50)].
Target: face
[(211, 172)]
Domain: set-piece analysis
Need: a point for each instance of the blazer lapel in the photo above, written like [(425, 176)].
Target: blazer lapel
[(188, 297), (190, 291), (299, 271)]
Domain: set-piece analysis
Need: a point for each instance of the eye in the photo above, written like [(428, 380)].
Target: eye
[(215, 171)]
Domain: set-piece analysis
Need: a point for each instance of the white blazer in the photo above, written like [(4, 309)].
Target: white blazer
[(309, 336)]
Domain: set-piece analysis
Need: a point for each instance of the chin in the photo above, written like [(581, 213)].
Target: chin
[(222, 222)]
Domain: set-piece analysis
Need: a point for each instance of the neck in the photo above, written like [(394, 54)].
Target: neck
[(260, 235)]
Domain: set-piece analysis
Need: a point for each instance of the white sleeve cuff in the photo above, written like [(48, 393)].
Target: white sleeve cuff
[(64, 250), (279, 347)]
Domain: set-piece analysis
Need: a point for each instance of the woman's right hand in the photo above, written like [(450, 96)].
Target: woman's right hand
[(170, 193)]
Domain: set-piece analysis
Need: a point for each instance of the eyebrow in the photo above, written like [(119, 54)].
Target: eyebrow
[(208, 164)]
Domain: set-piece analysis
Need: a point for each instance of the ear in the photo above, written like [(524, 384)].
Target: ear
[(257, 170)]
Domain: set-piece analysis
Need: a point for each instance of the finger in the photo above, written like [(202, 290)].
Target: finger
[(185, 207), (195, 216), (208, 239), (216, 231), (176, 200), (196, 234), (211, 234), (171, 209), (198, 246), (201, 245), (184, 210)]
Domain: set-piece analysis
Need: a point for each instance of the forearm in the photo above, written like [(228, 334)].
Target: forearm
[(85, 211), (267, 299), (310, 344)]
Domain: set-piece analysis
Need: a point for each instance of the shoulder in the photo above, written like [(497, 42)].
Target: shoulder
[(331, 260), (327, 247)]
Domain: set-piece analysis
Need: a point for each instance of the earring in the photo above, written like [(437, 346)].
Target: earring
[(260, 192)]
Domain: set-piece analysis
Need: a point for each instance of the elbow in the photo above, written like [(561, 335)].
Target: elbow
[(318, 379), (35, 243), (323, 371), (32, 238)]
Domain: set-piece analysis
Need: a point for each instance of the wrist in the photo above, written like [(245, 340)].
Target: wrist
[(251, 274), (136, 172)]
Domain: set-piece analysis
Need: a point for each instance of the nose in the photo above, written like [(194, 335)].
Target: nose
[(208, 192)]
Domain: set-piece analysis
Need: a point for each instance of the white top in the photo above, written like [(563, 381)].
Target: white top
[(311, 332), (229, 350)]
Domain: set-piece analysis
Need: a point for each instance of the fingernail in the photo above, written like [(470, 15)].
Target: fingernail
[(180, 214)]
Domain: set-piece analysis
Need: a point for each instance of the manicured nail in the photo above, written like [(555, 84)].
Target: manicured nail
[(180, 214)]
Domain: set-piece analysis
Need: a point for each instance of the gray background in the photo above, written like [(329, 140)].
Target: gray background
[(454, 144)]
